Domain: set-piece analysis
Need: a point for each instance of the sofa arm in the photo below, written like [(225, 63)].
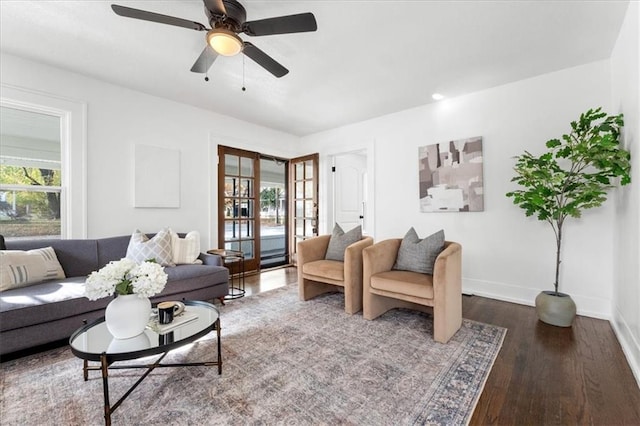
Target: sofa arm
[(210, 259)]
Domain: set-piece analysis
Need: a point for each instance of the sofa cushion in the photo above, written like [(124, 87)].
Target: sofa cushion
[(20, 268), (46, 302), (340, 240), (418, 255), (404, 282), (331, 269), (141, 248)]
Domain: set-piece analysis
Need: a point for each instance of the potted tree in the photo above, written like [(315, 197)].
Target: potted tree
[(574, 174)]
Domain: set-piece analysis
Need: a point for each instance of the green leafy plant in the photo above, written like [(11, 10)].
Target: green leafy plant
[(574, 174)]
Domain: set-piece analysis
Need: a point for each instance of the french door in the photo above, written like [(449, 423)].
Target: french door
[(241, 207), (303, 205), (238, 173)]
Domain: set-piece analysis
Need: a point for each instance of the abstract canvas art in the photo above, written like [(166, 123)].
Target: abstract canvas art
[(451, 176)]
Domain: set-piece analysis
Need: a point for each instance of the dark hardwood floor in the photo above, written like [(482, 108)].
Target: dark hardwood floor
[(544, 375)]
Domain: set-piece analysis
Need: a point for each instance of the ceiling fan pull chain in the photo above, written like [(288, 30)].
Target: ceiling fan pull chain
[(243, 88)]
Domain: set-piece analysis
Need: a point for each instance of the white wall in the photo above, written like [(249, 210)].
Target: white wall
[(625, 65), (119, 118), (505, 255)]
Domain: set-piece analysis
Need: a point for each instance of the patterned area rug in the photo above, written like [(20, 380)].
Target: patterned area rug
[(284, 362)]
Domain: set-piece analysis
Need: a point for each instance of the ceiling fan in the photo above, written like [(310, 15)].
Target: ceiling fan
[(227, 19)]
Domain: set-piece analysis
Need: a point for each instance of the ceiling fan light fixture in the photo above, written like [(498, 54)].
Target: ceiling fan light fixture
[(224, 42)]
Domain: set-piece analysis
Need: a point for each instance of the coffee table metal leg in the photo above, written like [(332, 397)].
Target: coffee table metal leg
[(219, 347), (104, 367), (85, 369)]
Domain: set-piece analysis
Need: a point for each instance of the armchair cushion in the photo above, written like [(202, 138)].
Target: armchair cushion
[(340, 240), (330, 269), (404, 282), (418, 255)]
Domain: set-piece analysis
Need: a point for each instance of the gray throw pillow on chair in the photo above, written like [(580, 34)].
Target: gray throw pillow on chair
[(419, 255), (340, 240)]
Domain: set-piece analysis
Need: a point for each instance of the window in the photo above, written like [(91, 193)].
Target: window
[(43, 173), (30, 174)]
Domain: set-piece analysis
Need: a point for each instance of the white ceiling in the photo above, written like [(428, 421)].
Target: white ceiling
[(367, 59)]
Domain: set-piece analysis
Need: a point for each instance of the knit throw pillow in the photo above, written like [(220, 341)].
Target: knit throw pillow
[(418, 255), (141, 248), (340, 240)]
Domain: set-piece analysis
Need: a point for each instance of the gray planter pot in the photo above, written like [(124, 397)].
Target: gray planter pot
[(555, 309)]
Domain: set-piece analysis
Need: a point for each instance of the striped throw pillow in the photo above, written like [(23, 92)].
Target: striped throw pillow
[(185, 250), (23, 268)]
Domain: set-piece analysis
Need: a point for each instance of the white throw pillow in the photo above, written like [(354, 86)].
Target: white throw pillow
[(141, 248), (22, 268), (185, 250)]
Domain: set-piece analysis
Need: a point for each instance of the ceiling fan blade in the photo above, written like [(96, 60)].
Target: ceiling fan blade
[(205, 60), (156, 17), (264, 60), (215, 6), (299, 23)]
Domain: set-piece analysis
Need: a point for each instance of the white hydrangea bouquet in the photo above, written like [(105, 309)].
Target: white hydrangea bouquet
[(125, 276)]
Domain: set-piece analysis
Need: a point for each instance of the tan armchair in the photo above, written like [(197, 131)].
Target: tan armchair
[(385, 289), (317, 275)]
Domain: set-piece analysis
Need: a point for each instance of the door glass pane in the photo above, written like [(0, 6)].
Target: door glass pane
[(231, 230), (230, 187), (247, 249), (308, 169), (231, 164), (308, 231), (246, 187), (299, 174), (299, 208), (308, 189), (232, 245), (308, 209), (246, 229), (229, 208), (246, 166), (299, 189), (300, 227)]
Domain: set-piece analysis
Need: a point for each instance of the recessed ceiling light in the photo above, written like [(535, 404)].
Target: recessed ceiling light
[(437, 96)]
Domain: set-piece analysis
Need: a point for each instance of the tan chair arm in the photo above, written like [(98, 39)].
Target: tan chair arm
[(353, 259), (312, 249), (380, 257), (447, 272)]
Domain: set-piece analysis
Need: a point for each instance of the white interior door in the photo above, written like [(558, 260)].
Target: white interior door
[(349, 195)]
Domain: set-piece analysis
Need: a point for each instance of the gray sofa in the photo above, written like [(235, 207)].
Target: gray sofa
[(53, 310)]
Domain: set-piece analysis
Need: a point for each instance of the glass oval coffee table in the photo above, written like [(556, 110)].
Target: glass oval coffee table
[(93, 342)]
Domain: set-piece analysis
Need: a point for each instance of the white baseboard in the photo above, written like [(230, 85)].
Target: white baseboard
[(587, 306), (630, 345)]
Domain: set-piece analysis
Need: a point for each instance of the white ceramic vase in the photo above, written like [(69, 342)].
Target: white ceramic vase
[(127, 315)]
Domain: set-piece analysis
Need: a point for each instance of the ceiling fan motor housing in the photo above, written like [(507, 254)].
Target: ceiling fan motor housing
[(235, 16)]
